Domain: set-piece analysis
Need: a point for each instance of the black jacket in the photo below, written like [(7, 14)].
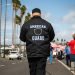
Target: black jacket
[(37, 33)]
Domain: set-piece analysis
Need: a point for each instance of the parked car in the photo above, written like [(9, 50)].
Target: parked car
[(14, 55)]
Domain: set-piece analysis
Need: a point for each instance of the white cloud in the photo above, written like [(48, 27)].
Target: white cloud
[(64, 34), (72, 29), (73, 26), (47, 16), (69, 18)]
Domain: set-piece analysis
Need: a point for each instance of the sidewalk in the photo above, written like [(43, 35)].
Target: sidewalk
[(57, 69), (72, 69)]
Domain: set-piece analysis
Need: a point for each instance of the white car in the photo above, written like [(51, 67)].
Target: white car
[(14, 55)]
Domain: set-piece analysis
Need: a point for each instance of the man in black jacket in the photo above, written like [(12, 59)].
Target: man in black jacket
[(37, 33)]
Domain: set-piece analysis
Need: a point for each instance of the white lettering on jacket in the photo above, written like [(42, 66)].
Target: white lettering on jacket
[(37, 37), (38, 26)]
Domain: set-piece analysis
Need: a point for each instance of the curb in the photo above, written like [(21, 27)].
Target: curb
[(66, 67)]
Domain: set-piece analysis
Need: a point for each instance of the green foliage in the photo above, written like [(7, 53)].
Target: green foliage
[(27, 17), (61, 40), (23, 10), (57, 39), (16, 4), (18, 19)]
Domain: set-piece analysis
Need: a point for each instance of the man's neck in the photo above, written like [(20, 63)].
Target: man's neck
[(36, 17)]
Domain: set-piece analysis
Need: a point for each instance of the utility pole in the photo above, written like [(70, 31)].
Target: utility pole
[(0, 23)]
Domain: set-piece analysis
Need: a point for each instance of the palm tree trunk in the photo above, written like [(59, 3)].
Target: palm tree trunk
[(0, 23), (13, 27), (5, 27), (17, 28), (20, 30)]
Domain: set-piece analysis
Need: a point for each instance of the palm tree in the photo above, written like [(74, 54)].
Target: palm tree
[(27, 17), (5, 27), (18, 20), (23, 10), (64, 41), (16, 6), (61, 41), (57, 40), (0, 22)]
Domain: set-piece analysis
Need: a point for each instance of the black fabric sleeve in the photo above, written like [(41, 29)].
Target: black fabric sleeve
[(51, 33), (23, 34)]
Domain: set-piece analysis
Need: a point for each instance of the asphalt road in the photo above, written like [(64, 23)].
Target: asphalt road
[(13, 67), (20, 67)]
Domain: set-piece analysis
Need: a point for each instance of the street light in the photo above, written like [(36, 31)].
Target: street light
[(0, 23)]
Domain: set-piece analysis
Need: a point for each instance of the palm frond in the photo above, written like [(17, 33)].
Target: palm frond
[(23, 10)]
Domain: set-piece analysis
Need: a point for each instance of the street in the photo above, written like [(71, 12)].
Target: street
[(20, 67), (13, 67)]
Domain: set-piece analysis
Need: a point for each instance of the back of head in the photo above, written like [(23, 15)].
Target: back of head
[(66, 43), (36, 12), (73, 36)]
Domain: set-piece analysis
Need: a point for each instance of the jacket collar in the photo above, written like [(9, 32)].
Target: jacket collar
[(35, 17)]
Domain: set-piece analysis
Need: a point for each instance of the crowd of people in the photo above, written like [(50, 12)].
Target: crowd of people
[(70, 56), (68, 53)]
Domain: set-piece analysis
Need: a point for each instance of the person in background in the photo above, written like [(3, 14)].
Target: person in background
[(71, 44), (60, 54), (37, 33), (51, 55), (67, 53)]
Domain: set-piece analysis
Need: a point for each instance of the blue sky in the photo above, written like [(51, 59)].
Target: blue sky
[(60, 13)]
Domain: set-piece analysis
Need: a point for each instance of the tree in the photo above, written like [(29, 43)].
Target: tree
[(27, 17), (61, 41), (64, 41), (57, 40), (16, 6), (18, 20), (23, 10)]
